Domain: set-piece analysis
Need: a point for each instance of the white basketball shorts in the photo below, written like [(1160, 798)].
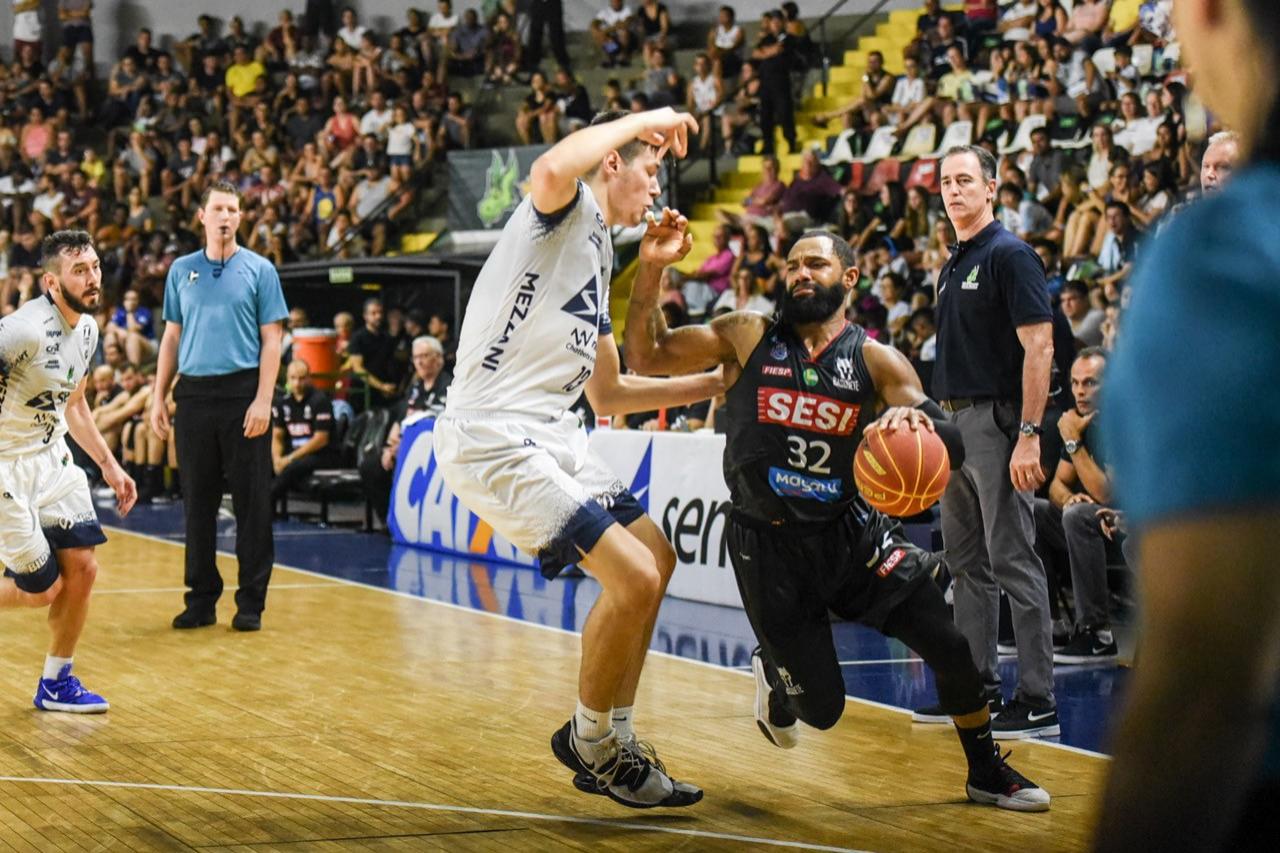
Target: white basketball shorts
[(534, 481), (45, 505)]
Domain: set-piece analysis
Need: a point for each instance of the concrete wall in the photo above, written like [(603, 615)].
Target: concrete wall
[(117, 21)]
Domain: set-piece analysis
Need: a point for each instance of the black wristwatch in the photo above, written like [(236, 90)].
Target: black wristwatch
[(1029, 429)]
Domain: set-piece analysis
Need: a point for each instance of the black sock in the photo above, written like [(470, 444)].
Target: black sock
[(979, 749), (154, 476)]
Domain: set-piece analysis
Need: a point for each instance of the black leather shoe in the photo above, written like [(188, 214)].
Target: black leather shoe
[(194, 619), (247, 622)]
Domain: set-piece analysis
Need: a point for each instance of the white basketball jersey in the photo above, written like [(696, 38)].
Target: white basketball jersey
[(528, 341), (42, 361)]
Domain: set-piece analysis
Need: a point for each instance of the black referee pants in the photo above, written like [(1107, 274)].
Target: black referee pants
[(212, 450)]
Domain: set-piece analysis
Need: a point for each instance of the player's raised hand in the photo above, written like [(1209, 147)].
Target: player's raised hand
[(668, 130), (667, 239)]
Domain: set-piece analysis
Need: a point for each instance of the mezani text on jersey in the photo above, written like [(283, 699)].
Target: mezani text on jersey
[(539, 305)]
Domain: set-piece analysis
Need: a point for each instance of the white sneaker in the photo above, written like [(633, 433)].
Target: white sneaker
[(776, 723)]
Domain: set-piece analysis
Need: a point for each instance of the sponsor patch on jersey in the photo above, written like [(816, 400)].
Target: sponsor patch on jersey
[(811, 412), (793, 484), (891, 562), (776, 370), (971, 280), (585, 304), (844, 375), (810, 377), (779, 351)]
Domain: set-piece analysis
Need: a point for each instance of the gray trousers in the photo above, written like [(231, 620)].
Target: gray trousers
[(988, 530), (1076, 530)]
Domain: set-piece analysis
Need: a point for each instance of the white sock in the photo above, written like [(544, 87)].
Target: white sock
[(1105, 636), (591, 724), (53, 665), (622, 722)]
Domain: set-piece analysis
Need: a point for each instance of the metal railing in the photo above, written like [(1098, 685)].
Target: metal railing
[(417, 179)]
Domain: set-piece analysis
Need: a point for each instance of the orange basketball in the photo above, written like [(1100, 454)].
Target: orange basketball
[(903, 472)]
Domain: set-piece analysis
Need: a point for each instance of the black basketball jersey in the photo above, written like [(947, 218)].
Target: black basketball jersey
[(794, 424)]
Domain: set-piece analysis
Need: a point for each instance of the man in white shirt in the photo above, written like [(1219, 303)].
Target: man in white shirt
[(536, 336), (611, 30), (351, 32), (27, 29), (48, 525), (377, 118)]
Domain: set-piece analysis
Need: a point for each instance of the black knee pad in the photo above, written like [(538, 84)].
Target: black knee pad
[(39, 580)]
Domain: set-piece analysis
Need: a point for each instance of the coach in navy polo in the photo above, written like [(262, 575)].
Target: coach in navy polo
[(995, 353), (223, 308)]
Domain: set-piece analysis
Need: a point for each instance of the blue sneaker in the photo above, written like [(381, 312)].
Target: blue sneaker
[(66, 693)]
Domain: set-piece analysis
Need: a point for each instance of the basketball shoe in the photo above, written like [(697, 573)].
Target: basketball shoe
[(1005, 788), (776, 723), (587, 784), (66, 693), (622, 773)]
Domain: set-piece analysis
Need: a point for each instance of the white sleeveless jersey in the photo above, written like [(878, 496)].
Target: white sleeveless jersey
[(42, 361), (538, 308)]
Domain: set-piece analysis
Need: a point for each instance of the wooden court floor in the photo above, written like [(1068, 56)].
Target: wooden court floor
[(359, 719)]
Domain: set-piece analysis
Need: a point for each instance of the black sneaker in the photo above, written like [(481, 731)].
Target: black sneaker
[(588, 784), (1020, 720), (1089, 646), (194, 619), (247, 622), (776, 723), (624, 775), (1005, 788), (934, 713)]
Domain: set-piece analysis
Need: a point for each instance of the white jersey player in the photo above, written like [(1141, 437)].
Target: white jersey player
[(48, 526), (536, 335)]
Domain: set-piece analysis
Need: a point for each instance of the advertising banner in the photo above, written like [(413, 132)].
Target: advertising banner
[(676, 477), (485, 186)]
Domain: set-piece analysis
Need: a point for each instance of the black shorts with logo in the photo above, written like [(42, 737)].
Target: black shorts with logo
[(791, 579)]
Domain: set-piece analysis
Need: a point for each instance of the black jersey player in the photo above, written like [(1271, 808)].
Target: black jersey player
[(802, 541)]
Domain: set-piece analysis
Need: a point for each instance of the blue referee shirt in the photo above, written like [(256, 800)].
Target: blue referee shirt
[(1190, 397), (220, 315)]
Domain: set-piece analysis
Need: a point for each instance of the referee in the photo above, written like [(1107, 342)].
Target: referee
[(223, 308), (995, 353)]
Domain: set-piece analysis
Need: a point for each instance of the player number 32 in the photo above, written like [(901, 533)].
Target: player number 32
[(798, 457)]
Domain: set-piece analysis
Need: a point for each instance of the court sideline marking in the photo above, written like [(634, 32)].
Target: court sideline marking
[(401, 594), (437, 807)]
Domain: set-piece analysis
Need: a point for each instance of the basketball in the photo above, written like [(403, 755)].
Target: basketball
[(903, 472)]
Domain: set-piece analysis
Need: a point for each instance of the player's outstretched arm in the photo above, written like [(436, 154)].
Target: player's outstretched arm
[(82, 428), (553, 179), (905, 403), (654, 348), (611, 393)]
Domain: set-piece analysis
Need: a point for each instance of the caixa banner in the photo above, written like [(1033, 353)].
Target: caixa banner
[(676, 477), (485, 186)]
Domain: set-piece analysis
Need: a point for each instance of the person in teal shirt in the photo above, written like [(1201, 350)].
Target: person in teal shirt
[(223, 308), (1192, 431)]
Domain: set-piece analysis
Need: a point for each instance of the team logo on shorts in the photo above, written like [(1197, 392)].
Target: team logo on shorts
[(779, 351)]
